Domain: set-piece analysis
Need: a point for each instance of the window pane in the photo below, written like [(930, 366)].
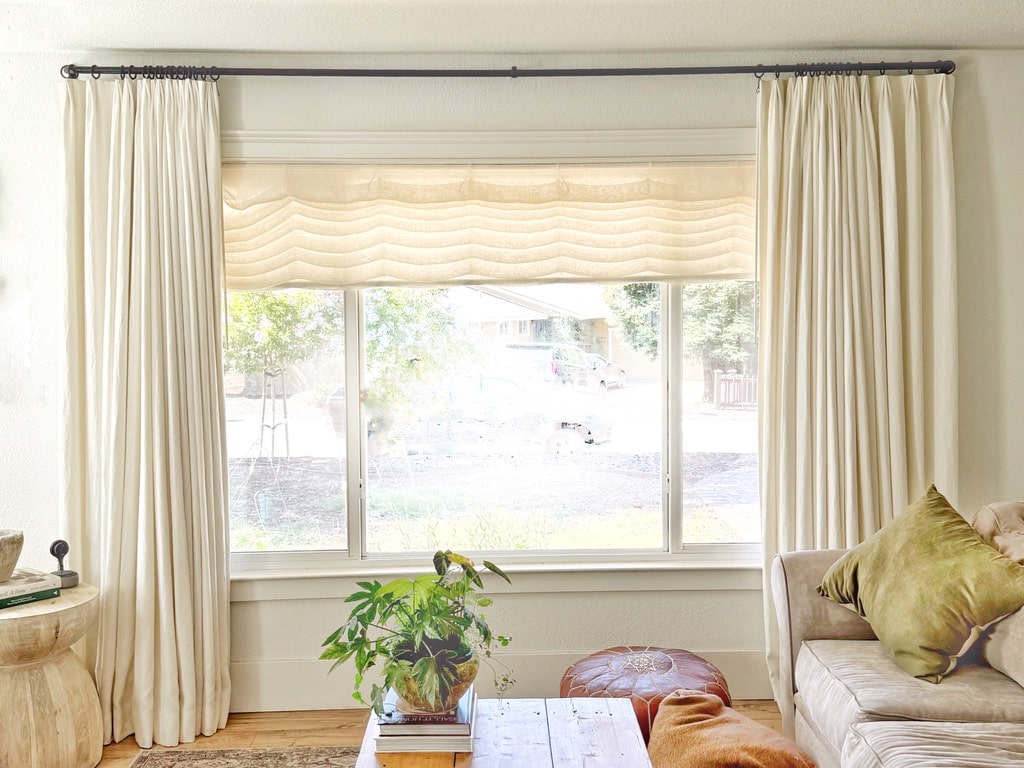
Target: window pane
[(285, 402), (719, 420), (478, 439)]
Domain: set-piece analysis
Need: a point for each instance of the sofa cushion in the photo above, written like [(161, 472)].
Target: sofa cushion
[(928, 584), (1001, 525), (1005, 647), (926, 745), (843, 682)]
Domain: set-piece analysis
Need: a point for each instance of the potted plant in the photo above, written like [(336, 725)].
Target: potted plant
[(426, 632)]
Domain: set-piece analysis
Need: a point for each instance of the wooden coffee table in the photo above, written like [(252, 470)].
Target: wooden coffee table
[(540, 733)]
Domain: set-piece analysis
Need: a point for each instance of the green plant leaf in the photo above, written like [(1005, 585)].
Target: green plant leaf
[(422, 627), (332, 637), (495, 569), (462, 560), (441, 562)]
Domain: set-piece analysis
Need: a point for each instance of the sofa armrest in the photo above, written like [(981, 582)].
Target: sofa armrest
[(802, 614)]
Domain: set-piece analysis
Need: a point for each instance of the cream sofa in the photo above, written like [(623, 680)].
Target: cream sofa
[(849, 705)]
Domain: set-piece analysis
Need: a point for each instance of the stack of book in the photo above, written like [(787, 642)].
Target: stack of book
[(28, 585), (441, 732)]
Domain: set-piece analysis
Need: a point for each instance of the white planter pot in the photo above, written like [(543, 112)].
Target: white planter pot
[(10, 550)]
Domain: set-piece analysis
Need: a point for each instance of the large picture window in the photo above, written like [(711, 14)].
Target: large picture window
[(383, 403)]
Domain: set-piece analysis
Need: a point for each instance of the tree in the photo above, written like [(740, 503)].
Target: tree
[(718, 327), (268, 331), (637, 309), (411, 339), (718, 323)]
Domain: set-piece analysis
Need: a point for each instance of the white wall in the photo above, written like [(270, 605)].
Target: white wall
[(276, 637)]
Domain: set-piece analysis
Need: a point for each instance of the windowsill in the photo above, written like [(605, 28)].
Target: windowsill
[(707, 572)]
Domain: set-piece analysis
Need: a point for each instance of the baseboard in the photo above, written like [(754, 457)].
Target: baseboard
[(279, 686)]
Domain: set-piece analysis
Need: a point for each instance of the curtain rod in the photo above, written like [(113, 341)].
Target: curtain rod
[(173, 72)]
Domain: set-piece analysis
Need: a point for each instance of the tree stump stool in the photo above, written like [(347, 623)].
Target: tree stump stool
[(643, 674)]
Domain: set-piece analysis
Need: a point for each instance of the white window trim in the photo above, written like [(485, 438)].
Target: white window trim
[(487, 146), (254, 568)]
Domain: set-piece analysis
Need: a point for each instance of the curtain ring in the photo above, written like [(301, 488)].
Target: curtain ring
[(94, 73), (214, 75)]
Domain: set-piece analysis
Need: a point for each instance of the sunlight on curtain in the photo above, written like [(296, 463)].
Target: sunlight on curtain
[(145, 467), (350, 225), (858, 358)]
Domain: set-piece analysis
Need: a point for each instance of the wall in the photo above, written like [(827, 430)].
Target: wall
[(555, 618)]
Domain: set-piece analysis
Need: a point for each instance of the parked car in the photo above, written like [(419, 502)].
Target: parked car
[(545, 361), (607, 374)]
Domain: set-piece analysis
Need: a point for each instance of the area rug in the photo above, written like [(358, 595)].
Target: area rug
[(281, 757)]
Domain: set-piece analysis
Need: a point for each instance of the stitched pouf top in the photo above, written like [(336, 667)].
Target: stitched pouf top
[(645, 675)]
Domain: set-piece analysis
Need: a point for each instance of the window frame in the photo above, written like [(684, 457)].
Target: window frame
[(495, 147)]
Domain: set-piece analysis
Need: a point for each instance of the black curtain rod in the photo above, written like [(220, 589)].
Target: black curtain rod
[(150, 72)]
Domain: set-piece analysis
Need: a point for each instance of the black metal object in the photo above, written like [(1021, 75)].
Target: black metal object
[(149, 72)]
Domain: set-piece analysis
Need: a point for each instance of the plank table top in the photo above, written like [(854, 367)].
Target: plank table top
[(540, 733)]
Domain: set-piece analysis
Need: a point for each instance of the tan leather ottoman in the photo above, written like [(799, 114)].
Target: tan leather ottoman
[(644, 674)]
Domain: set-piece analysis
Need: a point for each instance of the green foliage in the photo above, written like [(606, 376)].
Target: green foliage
[(718, 326), (637, 309), (412, 337), (422, 627), (718, 321), (267, 331)]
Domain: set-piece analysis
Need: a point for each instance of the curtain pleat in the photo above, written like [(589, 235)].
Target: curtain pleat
[(331, 226), (145, 462), (856, 252)]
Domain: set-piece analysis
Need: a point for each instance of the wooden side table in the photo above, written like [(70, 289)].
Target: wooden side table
[(48, 702)]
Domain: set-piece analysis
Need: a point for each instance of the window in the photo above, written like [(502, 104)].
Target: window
[(620, 417)]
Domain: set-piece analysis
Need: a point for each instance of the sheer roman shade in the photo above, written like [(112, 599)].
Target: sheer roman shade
[(332, 226)]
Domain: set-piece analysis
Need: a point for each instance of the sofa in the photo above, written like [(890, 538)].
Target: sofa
[(847, 697)]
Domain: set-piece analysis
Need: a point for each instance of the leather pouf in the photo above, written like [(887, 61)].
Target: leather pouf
[(643, 674)]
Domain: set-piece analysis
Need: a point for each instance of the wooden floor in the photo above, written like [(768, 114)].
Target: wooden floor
[(339, 727)]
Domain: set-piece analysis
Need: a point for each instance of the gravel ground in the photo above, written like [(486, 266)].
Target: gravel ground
[(277, 499)]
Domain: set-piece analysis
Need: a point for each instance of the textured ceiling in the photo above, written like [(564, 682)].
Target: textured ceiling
[(508, 26)]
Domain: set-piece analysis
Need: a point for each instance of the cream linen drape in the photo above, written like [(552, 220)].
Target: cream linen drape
[(858, 344), (145, 470)]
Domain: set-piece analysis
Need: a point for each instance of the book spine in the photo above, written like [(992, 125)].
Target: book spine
[(425, 744), (13, 588), (31, 597)]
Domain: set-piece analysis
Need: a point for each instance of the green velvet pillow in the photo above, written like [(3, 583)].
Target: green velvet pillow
[(929, 586)]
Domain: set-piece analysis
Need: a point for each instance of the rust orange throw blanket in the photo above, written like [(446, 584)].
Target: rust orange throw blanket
[(694, 729)]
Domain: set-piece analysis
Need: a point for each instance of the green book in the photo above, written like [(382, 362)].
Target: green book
[(31, 597)]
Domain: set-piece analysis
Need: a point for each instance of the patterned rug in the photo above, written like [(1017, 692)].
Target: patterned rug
[(287, 757)]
